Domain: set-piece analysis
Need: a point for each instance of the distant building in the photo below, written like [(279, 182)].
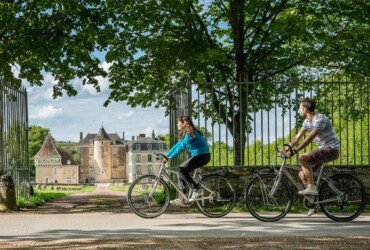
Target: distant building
[(53, 166), (102, 158), (140, 159)]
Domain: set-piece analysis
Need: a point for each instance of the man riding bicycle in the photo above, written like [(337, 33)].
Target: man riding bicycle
[(321, 131)]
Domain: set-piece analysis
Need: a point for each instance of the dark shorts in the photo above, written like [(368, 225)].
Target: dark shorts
[(322, 155)]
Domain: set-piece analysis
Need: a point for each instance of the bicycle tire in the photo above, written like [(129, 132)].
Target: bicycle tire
[(221, 201), (263, 207), (140, 201), (351, 205)]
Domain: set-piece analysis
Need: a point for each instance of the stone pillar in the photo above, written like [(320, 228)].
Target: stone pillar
[(8, 199)]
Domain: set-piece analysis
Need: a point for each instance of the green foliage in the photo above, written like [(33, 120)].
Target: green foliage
[(155, 47), (353, 135), (52, 36), (36, 137)]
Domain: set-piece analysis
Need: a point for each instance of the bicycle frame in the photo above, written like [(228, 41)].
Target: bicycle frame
[(320, 177), (163, 172)]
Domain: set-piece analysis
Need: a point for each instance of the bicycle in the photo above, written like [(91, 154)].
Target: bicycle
[(149, 195), (342, 197)]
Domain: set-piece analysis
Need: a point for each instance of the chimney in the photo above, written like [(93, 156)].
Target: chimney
[(81, 136), (153, 135), (123, 136), (133, 138)]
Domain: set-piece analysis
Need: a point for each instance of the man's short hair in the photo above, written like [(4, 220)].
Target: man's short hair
[(309, 103)]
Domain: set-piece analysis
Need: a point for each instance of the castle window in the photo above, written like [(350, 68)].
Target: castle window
[(115, 162), (150, 169), (138, 146), (138, 169), (69, 176), (149, 158), (160, 146), (138, 158), (149, 146), (115, 151)]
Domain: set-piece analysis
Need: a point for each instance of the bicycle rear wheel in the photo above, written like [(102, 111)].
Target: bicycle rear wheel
[(220, 201), (262, 205), (148, 196), (346, 206)]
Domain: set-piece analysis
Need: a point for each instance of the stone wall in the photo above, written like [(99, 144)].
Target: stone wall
[(240, 178)]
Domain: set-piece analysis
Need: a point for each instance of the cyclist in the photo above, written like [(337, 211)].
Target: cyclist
[(191, 138), (321, 131)]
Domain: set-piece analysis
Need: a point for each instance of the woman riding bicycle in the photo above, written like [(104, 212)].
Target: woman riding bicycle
[(191, 138)]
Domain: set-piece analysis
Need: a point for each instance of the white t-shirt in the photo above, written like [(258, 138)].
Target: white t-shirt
[(326, 136)]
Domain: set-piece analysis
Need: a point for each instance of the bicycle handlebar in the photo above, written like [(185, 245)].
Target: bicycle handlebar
[(282, 152), (160, 156)]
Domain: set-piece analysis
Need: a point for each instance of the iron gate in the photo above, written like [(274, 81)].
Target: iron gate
[(253, 118), (14, 137)]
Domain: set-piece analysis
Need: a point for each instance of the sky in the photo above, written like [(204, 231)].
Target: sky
[(67, 116)]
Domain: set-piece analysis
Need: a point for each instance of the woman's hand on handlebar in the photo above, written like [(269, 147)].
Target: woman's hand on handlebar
[(162, 157)]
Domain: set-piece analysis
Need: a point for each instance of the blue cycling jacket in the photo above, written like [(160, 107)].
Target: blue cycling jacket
[(196, 146)]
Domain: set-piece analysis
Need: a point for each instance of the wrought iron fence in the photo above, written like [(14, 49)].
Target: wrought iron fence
[(244, 122), (14, 137)]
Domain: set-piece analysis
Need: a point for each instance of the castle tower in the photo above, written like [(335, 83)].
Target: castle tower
[(46, 159), (102, 157)]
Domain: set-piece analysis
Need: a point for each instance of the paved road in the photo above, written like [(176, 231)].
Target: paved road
[(23, 226), (110, 225)]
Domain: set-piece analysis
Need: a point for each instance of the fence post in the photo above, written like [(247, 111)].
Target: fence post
[(1, 128)]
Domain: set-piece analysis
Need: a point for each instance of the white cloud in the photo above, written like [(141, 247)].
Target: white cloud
[(125, 115), (44, 113)]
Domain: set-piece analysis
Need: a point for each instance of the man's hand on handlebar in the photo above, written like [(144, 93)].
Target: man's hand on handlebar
[(289, 151)]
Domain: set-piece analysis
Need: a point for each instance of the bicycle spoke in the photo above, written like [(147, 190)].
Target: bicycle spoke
[(148, 197), (218, 197), (346, 205), (264, 207)]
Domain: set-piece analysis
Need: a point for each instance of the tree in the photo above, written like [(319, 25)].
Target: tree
[(160, 44), (52, 36), (36, 137), (156, 46)]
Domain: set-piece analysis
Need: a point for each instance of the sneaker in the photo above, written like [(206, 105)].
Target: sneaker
[(309, 191), (196, 193), (177, 202), (311, 212)]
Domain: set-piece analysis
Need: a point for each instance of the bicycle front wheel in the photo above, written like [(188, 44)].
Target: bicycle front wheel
[(148, 196), (345, 201), (262, 204), (218, 197)]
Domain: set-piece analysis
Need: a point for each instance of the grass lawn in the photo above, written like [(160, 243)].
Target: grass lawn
[(42, 196)]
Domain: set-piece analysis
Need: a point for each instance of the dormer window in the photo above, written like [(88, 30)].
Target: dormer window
[(138, 147)]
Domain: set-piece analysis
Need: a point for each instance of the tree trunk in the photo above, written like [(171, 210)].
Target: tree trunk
[(8, 200)]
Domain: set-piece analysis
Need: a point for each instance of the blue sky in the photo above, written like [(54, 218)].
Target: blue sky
[(67, 116)]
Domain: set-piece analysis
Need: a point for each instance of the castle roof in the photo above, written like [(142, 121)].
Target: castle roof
[(89, 139), (102, 135), (65, 157), (48, 148)]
